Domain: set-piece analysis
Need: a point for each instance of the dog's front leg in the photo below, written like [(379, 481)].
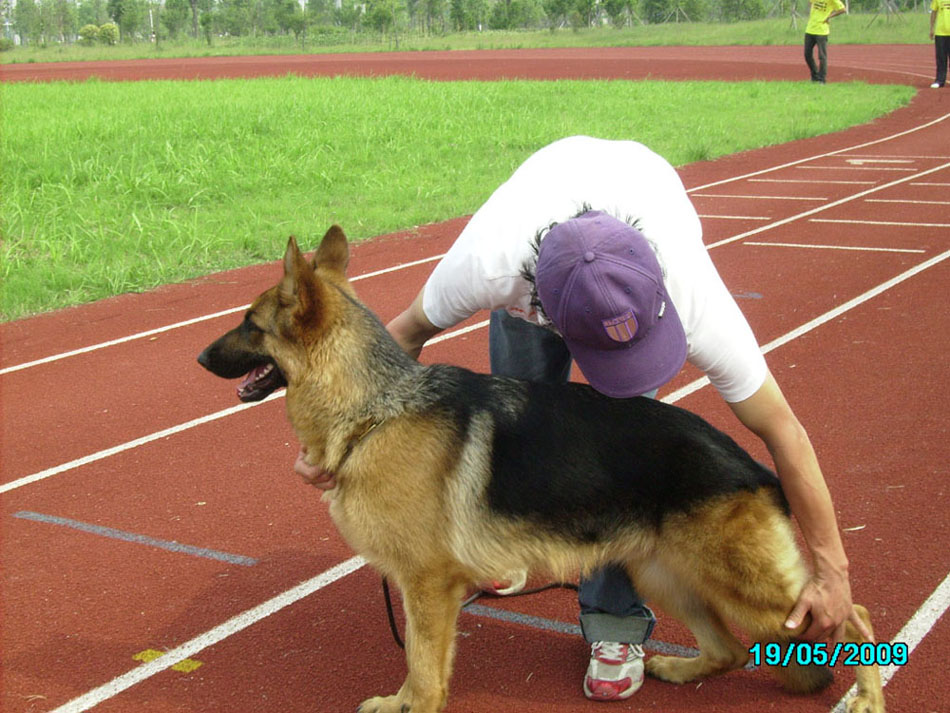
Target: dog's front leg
[(432, 605)]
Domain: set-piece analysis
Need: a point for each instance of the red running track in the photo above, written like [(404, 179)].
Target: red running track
[(837, 250)]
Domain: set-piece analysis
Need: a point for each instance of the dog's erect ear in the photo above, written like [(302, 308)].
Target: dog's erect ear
[(299, 284), (333, 255)]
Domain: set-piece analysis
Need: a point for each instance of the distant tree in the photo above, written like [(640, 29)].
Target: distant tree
[(288, 13), (320, 11), (27, 21), (115, 8), (175, 16), (619, 11), (134, 18), (297, 22), (385, 16), (735, 10), (434, 15), (6, 14), (512, 14), (587, 9), (349, 14), (207, 25), (557, 11), (468, 14), (109, 33), (658, 11), (88, 35), (91, 12), (235, 17)]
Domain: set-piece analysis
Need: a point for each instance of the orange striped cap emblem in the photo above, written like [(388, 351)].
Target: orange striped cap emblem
[(623, 328)]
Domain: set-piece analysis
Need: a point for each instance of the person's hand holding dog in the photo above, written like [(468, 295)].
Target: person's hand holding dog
[(313, 475), (826, 598)]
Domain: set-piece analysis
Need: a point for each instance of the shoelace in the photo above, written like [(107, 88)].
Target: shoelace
[(616, 651)]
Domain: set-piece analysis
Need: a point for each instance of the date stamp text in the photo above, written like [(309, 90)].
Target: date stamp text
[(804, 653)]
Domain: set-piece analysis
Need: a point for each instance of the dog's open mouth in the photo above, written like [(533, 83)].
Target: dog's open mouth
[(260, 382)]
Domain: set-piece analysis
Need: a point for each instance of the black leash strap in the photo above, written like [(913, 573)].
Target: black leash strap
[(389, 612), (392, 617)]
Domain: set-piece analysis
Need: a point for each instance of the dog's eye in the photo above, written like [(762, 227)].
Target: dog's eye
[(249, 327)]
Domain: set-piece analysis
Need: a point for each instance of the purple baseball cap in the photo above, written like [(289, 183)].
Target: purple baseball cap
[(602, 287)]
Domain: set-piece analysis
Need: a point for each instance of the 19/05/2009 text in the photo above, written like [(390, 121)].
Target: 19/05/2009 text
[(803, 653)]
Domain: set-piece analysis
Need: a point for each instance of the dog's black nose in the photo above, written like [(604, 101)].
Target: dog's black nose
[(204, 359)]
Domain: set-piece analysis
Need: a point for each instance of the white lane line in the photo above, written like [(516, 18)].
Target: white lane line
[(185, 323), (880, 222), (242, 621), (930, 183), (820, 320), (914, 631), (905, 201), (173, 430), (857, 168), (834, 247), (812, 181), (923, 158), (828, 206), (210, 637), (861, 161), (732, 217), (721, 182), (758, 198)]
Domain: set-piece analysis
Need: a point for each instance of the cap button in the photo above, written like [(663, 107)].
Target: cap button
[(589, 256)]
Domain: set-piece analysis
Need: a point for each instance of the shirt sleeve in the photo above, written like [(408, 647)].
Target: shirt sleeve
[(462, 285)]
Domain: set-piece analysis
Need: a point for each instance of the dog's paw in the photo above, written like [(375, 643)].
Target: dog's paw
[(672, 669), (865, 703), (383, 704)]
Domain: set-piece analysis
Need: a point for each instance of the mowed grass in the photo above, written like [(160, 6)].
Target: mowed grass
[(116, 187)]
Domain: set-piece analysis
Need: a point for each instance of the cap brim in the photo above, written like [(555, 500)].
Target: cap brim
[(640, 367)]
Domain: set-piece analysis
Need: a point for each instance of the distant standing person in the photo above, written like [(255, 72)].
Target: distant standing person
[(940, 34), (816, 34)]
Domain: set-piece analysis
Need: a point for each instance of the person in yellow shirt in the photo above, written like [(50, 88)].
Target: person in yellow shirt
[(816, 35), (940, 34)]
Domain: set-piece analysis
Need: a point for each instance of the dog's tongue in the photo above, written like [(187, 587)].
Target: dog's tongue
[(249, 389)]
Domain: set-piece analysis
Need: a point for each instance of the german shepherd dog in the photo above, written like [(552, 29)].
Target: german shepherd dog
[(446, 478)]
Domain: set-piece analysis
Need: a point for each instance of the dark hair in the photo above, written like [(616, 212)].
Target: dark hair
[(530, 266)]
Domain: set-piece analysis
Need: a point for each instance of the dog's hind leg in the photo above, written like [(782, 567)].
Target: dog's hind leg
[(432, 604), (719, 650)]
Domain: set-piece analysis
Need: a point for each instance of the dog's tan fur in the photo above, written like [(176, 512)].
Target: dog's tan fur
[(410, 499)]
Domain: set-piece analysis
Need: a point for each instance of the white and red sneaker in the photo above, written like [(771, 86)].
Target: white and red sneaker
[(615, 671)]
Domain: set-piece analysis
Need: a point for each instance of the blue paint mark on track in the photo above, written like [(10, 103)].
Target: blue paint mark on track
[(109, 532)]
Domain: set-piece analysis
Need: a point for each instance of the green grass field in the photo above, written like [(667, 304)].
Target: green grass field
[(115, 187), (906, 28)]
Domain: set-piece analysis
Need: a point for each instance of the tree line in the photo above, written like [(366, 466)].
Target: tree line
[(44, 22)]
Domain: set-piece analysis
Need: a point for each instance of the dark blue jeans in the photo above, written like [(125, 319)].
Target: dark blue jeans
[(819, 71), (611, 608), (942, 52)]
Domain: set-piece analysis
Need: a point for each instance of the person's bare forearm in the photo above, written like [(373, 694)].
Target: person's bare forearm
[(826, 597), (412, 329)]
